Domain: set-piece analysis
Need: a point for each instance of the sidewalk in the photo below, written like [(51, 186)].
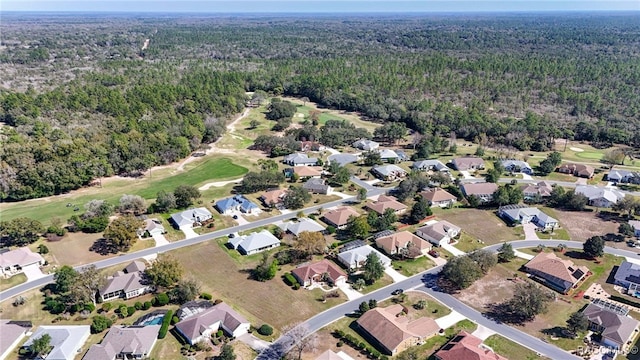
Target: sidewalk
[(350, 292), (396, 276), (453, 250), (449, 320)]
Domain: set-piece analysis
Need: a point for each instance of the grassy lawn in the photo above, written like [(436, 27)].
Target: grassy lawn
[(12, 281), (481, 224), (384, 281), (468, 243), (411, 267), (557, 234), (433, 308), (509, 349), (329, 114)]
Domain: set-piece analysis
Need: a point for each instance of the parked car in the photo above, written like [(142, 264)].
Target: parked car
[(397, 292), (434, 253)]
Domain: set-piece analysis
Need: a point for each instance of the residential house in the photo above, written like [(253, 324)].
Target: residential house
[(126, 284), (356, 257), (523, 214), (517, 166), (237, 203), (66, 340), (15, 261), (624, 176), (302, 225), (402, 156), (12, 334), (151, 227), (317, 186), (125, 342), (612, 322), (299, 159), (200, 326), (484, 190), (600, 196), (560, 275), (388, 172), (339, 217), (468, 163), (342, 158), (311, 146), (389, 156), (330, 355), (635, 224), (439, 233), (365, 145), (305, 171), (401, 243), (254, 243), (191, 218), (465, 346), (437, 197), (394, 332), (430, 165), (385, 202), (273, 198), (579, 170), (628, 276), (320, 272), (533, 191)]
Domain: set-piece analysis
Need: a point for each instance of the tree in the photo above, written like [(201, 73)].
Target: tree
[(373, 269), (311, 243), (364, 307), (625, 229), (165, 271), (64, 277), (420, 210), (485, 259), (629, 204), (165, 201), (226, 353), (266, 270), (20, 231), (557, 196), (97, 208), (41, 346), (296, 197), (254, 123), (100, 323), (260, 181), (421, 304), (359, 227), (614, 157), (299, 339), (577, 322), (279, 109), (185, 290), (185, 195), (574, 201), (122, 232), (132, 204), (474, 201), (548, 165), (341, 176), (371, 158), (528, 301), (506, 253), (362, 194), (87, 283), (268, 165), (461, 272), (593, 247)]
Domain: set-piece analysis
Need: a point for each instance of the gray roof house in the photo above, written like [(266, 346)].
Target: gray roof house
[(430, 165), (317, 186), (236, 203), (517, 166), (635, 224), (617, 328), (388, 172), (482, 190), (439, 233), (468, 163), (125, 342), (342, 158), (66, 340), (366, 145), (541, 189), (624, 176), (302, 225), (523, 214), (201, 325), (628, 276), (12, 333), (600, 196), (191, 217), (14, 261), (127, 284), (355, 258), (151, 227), (255, 242), (389, 156), (298, 159)]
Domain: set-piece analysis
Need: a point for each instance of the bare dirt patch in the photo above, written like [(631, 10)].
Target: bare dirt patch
[(497, 286), (583, 225), (482, 224)]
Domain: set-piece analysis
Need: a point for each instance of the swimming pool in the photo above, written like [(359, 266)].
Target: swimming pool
[(154, 318)]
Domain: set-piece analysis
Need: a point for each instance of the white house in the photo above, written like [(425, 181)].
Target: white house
[(200, 326), (302, 225), (439, 233), (366, 145), (517, 166), (14, 261), (125, 342), (66, 340), (126, 284), (523, 214), (430, 165), (355, 258), (191, 218), (12, 334), (299, 159), (635, 224), (388, 172), (255, 242), (389, 155), (600, 196)]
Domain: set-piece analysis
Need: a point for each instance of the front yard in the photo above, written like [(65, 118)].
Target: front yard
[(482, 224)]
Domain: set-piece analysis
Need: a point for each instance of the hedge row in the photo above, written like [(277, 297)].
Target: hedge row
[(364, 349), (290, 279), (165, 324)]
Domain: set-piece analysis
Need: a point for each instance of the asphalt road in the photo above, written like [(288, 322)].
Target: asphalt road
[(125, 258), (426, 282)]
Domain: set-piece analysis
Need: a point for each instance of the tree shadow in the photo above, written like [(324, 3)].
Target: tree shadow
[(578, 255), (611, 278), (502, 313), (559, 332), (103, 247), (610, 216)]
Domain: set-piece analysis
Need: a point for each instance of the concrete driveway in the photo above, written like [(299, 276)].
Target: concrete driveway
[(350, 292), (33, 272), (188, 232), (396, 276), (453, 250), (450, 320), (253, 342), (161, 240), (530, 231)]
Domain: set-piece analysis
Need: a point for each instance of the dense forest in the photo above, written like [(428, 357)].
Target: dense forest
[(82, 97)]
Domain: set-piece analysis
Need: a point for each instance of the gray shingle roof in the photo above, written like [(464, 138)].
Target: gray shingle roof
[(129, 340), (254, 241), (302, 225), (66, 340), (189, 216)]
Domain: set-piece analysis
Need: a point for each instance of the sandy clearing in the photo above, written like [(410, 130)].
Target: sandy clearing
[(218, 184), (576, 149)]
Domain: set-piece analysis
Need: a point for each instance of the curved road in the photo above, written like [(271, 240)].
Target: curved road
[(19, 289), (426, 282)]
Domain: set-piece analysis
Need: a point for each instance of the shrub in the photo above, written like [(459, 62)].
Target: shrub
[(218, 301), (165, 324), (340, 343), (174, 320), (290, 279), (106, 307), (138, 305), (146, 305), (89, 307), (162, 299), (331, 229), (100, 323), (265, 330), (131, 310), (296, 286), (206, 296)]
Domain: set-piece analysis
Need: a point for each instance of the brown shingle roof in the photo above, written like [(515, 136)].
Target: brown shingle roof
[(465, 346), (385, 202), (549, 263), (20, 256), (479, 188), (437, 195), (543, 188), (391, 330), (308, 271), (306, 171), (399, 240), (341, 215), (577, 169), (273, 196), (466, 163)]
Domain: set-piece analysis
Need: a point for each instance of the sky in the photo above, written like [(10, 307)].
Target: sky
[(318, 6)]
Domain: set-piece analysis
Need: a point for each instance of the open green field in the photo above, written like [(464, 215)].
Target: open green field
[(330, 114), (509, 349)]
